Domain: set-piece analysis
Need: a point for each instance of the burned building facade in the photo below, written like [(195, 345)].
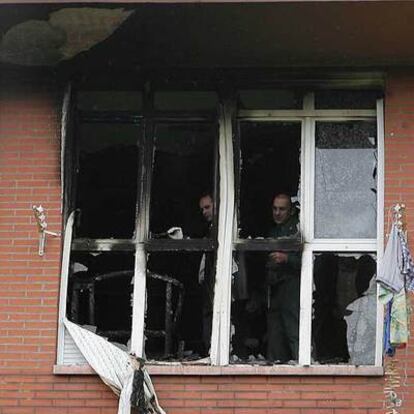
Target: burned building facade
[(164, 142)]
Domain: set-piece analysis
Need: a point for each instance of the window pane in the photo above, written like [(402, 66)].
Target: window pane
[(185, 101), (346, 180), (270, 99), (109, 100), (269, 165), (99, 294), (346, 99), (344, 308), (107, 180), (180, 296), (183, 171), (265, 307)]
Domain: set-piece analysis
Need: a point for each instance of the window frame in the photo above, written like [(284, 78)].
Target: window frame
[(226, 227)]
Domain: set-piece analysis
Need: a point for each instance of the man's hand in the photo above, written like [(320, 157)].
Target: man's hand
[(279, 257)]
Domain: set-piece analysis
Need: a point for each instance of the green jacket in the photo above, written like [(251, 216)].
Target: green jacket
[(277, 272)]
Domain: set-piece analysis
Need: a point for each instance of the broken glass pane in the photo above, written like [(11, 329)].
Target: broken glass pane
[(180, 296), (183, 172), (346, 179), (270, 99), (109, 100), (107, 180), (185, 100), (269, 165), (346, 99), (265, 307), (344, 308), (99, 294)]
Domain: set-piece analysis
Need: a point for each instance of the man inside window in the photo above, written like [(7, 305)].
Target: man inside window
[(283, 285), (206, 274)]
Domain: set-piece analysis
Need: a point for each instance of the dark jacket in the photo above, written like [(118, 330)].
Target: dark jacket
[(278, 272)]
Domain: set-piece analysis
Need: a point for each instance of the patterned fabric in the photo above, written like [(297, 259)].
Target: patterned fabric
[(388, 348), (396, 276), (399, 328)]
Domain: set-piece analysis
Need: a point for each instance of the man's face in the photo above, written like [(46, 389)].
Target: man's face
[(281, 209), (206, 207)]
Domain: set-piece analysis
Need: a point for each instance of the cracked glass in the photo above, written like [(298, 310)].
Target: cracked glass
[(346, 179)]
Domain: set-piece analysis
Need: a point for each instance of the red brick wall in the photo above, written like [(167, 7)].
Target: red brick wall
[(30, 174)]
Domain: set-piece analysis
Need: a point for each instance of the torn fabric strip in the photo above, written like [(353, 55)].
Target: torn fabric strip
[(114, 366)]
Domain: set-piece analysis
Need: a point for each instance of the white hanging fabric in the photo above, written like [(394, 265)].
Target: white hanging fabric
[(114, 366), (389, 273)]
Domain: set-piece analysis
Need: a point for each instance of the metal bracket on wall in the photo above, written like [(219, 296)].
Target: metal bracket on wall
[(40, 216)]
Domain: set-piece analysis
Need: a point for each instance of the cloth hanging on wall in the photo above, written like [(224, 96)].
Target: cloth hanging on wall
[(396, 277), (389, 274)]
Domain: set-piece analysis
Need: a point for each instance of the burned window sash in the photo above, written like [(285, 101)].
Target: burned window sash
[(145, 244), (142, 238)]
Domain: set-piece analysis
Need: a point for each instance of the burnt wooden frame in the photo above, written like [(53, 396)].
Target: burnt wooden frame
[(340, 245), (148, 118)]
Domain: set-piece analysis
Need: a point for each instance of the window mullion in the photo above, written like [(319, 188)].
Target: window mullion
[(138, 301), (380, 223), (306, 219), (141, 232), (305, 319), (221, 314)]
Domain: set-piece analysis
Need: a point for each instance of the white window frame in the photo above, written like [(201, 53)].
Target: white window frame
[(220, 342)]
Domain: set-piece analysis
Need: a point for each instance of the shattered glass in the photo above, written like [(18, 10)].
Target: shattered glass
[(346, 179), (99, 293), (344, 308)]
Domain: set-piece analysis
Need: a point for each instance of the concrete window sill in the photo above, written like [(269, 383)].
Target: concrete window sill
[(178, 369)]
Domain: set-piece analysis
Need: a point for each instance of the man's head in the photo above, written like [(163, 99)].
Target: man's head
[(206, 206), (281, 208)]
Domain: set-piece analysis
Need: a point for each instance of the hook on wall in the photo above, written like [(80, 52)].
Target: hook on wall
[(40, 216)]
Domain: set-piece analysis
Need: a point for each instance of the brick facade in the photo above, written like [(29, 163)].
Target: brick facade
[(29, 284)]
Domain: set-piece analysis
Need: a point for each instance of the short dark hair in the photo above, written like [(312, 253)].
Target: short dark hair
[(206, 193)]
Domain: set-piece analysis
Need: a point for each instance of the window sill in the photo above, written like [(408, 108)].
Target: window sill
[(275, 370)]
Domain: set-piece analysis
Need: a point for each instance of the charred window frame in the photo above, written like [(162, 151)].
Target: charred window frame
[(312, 110), (141, 241)]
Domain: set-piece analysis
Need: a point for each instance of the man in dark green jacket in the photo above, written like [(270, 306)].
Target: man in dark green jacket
[(283, 285)]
